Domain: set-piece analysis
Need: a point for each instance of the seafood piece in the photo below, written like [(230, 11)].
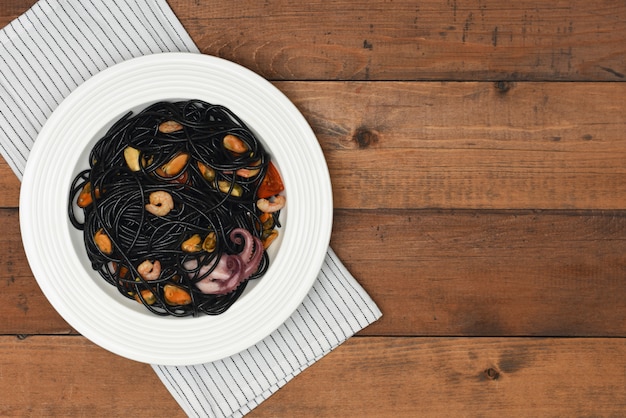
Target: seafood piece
[(170, 126), (223, 275), (149, 270), (161, 203), (274, 205)]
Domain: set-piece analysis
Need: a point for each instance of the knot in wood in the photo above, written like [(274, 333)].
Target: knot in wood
[(364, 137), (491, 373), (503, 86)]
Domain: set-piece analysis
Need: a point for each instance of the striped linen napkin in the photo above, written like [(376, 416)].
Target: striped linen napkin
[(55, 46)]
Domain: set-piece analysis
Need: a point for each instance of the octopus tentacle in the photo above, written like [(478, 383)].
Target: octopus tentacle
[(231, 269), (252, 264)]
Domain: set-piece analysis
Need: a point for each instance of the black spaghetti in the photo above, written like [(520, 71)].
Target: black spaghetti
[(177, 207)]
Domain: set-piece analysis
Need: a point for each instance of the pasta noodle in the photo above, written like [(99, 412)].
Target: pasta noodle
[(166, 201)]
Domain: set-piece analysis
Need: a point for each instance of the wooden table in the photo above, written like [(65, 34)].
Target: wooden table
[(478, 156)]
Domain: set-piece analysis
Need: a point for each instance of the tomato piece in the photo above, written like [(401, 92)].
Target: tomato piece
[(182, 179), (271, 184)]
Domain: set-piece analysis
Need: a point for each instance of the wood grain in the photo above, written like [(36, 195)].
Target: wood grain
[(477, 152), (11, 9), (408, 40), (470, 145), (462, 145), (488, 273), (71, 377), (476, 377), (533, 40), (392, 376), (25, 309)]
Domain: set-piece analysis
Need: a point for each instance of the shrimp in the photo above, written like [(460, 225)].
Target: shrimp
[(161, 203), (271, 206), (149, 270)]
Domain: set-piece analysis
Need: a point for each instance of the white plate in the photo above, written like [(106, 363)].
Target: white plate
[(55, 250)]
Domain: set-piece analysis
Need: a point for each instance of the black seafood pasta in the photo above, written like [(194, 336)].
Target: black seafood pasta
[(178, 206)]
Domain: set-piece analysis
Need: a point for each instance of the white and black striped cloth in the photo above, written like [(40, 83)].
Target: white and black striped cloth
[(54, 47), (336, 308)]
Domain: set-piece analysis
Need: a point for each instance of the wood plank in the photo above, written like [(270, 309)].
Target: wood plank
[(9, 186), (11, 9), (462, 145), (488, 273), (470, 145), (434, 377), (25, 309), (70, 376), (427, 40), (488, 207), (435, 273), (392, 376)]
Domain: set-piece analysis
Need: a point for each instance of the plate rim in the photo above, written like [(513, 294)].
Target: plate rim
[(162, 61)]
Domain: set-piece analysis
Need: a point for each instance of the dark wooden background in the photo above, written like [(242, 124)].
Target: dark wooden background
[(477, 151)]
